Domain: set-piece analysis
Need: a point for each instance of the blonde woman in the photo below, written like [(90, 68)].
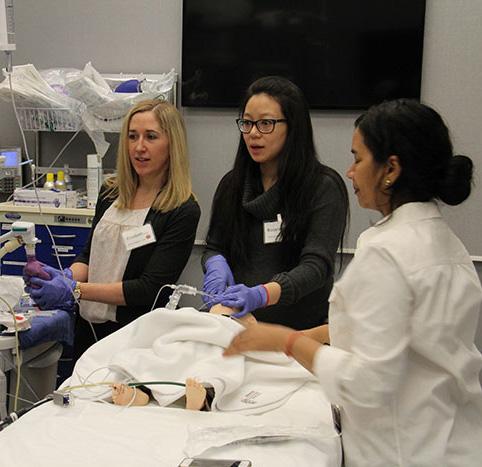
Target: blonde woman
[(142, 233)]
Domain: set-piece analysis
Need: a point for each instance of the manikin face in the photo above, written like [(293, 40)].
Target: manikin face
[(264, 148), (148, 146), (367, 177)]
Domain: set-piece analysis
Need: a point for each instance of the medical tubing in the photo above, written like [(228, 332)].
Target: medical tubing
[(29, 387), (28, 401), (15, 415), (34, 180), (85, 380), (157, 295), (178, 291), (131, 384), (174, 299), (98, 397), (9, 74), (147, 383), (90, 324), (10, 246)]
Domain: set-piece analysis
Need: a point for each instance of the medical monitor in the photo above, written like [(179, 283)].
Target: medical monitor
[(344, 54), (10, 171), (11, 157)]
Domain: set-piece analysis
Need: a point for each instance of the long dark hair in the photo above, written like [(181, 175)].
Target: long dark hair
[(298, 173), (417, 134)]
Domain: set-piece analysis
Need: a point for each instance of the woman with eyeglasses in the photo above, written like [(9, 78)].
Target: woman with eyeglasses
[(402, 363), (277, 217)]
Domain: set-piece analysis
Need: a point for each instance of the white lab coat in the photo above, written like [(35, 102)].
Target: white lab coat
[(403, 364)]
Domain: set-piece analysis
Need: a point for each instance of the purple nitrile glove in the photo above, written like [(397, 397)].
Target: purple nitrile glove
[(34, 268), (54, 294), (218, 276), (47, 272), (245, 298)]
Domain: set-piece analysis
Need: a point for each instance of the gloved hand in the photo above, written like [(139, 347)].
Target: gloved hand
[(28, 273), (245, 298), (34, 268), (218, 276), (53, 294)]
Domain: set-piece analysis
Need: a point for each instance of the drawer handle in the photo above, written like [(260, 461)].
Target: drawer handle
[(62, 248), (14, 263), (64, 236)]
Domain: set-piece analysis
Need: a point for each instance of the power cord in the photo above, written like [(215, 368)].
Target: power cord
[(14, 416)]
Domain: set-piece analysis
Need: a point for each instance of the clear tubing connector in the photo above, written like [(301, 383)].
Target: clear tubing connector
[(178, 291)]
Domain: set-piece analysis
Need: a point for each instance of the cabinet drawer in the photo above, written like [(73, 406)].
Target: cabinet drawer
[(69, 242), (63, 235), (12, 268)]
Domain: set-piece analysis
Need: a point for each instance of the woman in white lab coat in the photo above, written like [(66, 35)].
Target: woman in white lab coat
[(402, 364)]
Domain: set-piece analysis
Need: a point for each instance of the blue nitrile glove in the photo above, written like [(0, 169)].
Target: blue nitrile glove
[(245, 298), (54, 294), (218, 276)]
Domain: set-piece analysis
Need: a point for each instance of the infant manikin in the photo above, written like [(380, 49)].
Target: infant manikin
[(197, 397)]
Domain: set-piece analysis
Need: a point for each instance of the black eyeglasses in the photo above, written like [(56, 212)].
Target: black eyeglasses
[(264, 125)]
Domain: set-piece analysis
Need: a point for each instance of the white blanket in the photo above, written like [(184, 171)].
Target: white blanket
[(171, 345), (166, 345)]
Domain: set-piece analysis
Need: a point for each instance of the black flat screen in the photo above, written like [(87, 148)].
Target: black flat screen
[(344, 54)]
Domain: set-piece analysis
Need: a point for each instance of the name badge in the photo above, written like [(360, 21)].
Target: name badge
[(138, 236), (272, 231)]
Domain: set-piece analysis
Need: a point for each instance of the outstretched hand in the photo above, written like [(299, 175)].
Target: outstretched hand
[(259, 336)]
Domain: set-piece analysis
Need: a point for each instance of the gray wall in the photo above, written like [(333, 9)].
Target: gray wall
[(145, 36)]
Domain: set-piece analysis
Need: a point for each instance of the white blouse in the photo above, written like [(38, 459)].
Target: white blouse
[(403, 364)]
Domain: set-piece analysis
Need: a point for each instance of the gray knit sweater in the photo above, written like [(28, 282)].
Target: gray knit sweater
[(305, 287)]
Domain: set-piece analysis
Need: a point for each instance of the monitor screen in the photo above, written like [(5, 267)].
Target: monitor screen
[(343, 54), (12, 157)]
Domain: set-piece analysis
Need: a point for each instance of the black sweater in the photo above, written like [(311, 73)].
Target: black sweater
[(306, 281), (151, 266)]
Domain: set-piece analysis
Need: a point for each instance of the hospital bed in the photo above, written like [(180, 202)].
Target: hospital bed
[(266, 408)]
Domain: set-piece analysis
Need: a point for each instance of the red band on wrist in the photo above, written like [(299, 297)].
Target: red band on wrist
[(290, 342), (267, 295)]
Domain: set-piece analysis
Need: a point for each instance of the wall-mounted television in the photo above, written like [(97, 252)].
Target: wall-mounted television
[(344, 54)]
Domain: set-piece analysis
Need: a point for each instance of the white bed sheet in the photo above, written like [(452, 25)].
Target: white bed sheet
[(159, 346), (96, 434)]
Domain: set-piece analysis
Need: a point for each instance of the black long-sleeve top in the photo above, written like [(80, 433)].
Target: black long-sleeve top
[(151, 266)]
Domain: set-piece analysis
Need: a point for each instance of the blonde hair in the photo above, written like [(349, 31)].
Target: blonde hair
[(178, 187)]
